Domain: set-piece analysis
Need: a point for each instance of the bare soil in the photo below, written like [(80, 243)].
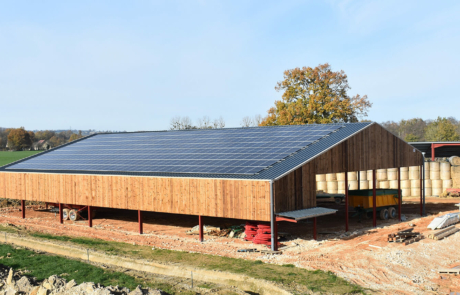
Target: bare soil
[(363, 255)]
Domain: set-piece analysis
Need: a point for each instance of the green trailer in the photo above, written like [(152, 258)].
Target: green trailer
[(338, 198)]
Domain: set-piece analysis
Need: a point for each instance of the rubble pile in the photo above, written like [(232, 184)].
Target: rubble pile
[(13, 282)]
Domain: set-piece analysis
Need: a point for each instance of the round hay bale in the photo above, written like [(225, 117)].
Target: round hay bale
[(392, 174), (340, 176), (405, 184), (341, 191), (321, 186), (414, 174), (428, 183), (415, 192), (332, 187), (436, 184), (404, 174), (414, 168), (445, 171), (435, 175), (434, 166), (446, 184), (404, 168), (353, 185), (364, 184), (331, 177), (352, 176), (436, 191), (427, 168), (393, 184), (454, 161), (405, 192), (363, 175), (320, 177), (381, 174), (369, 175), (341, 184), (415, 183), (428, 192), (384, 184)]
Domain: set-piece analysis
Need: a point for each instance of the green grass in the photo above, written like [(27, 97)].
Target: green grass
[(43, 266), (9, 157), (288, 275)]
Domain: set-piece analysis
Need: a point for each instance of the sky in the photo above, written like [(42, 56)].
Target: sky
[(134, 65)]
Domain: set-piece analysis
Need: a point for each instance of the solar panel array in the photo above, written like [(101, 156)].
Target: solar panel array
[(219, 151)]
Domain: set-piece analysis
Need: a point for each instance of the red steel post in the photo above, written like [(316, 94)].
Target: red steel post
[(399, 194), (432, 152), (374, 199), (200, 225), (421, 190), (90, 218), (314, 228), (60, 214), (346, 201), (141, 222), (23, 208)]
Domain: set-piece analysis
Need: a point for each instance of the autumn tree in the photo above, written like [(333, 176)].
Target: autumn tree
[(316, 95), (19, 139), (75, 136), (441, 129)]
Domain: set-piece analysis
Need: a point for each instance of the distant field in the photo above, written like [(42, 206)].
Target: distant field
[(9, 157)]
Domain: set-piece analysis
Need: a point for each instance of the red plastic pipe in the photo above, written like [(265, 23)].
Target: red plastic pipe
[(90, 218), (141, 222), (200, 225), (374, 199), (346, 201), (61, 220), (314, 228), (23, 208), (399, 194)]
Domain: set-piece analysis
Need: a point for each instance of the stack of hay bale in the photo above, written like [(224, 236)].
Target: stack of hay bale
[(439, 176), (455, 171)]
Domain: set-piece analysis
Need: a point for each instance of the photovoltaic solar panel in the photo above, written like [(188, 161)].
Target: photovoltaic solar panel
[(217, 151)]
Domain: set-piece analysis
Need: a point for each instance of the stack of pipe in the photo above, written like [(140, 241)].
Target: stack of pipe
[(443, 233)]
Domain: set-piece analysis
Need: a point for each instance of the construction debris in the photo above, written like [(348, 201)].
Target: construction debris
[(444, 221), (406, 236), (231, 232), (453, 270), (439, 235)]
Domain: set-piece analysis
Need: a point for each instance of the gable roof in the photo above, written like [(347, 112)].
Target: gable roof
[(264, 153)]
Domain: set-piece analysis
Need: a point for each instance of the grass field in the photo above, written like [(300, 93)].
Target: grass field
[(290, 276), (9, 157)]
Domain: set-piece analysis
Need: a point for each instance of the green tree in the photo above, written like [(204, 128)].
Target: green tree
[(315, 95), (411, 138), (441, 129), (19, 139)]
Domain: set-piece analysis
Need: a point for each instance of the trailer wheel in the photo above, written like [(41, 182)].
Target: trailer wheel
[(73, 215), (384, 215), (65, 214), (338, 201), (392, 212)]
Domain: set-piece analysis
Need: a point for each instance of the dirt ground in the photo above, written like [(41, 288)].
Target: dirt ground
[(363, 255)]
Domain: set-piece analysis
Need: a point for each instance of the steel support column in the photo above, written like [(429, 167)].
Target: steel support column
[(424, 191), (374, 199), (399, 194), (60, 214), (359, 180), (141, 222), (200, 226), (346, 201), (273, 230), (275, 234), (90, 218), (314, 229), (23, 208), (432, 152), (421, 190)]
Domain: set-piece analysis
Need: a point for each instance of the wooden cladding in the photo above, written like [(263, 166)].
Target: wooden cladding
[(371, 148), (241, 199)]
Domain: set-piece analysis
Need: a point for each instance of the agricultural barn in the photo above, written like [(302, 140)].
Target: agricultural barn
[(261, 173)]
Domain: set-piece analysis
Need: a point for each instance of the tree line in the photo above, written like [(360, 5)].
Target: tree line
[(19, 139), (318, 96)]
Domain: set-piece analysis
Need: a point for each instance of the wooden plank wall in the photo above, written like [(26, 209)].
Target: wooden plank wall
[(372, 148), (249, 200)]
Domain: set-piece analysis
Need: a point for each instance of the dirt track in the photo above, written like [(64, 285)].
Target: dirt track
[(365, 258)]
